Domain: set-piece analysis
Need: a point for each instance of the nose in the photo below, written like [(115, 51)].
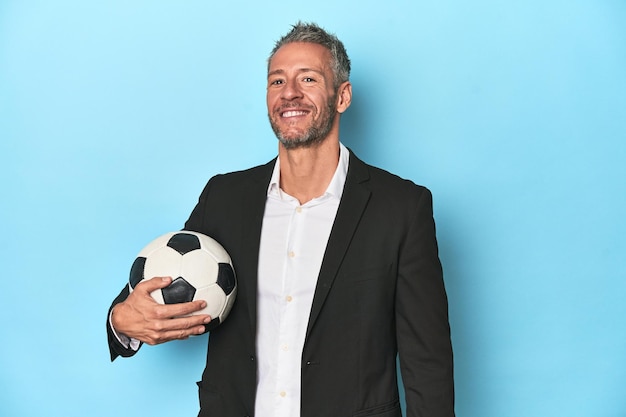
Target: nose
[(291, 90)]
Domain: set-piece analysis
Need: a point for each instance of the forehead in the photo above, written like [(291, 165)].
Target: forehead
[(300, 55)]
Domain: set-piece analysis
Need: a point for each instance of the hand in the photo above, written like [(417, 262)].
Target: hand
[(140, 317)]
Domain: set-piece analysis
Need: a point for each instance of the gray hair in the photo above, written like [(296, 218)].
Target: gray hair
[(312, 33)]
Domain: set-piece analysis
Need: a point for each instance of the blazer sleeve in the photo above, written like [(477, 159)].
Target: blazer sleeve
[(423, 332)]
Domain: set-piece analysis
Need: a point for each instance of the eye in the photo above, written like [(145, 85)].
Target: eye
[(276, 81), (308, 80)]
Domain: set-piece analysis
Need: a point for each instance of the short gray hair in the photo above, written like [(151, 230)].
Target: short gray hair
[(312, 33)]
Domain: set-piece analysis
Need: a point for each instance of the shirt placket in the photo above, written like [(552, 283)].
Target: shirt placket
[(287, 346)]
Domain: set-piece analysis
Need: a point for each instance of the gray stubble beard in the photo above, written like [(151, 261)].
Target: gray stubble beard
[(314, 135)]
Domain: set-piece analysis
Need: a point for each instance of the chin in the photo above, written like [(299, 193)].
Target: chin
[(300, 143)]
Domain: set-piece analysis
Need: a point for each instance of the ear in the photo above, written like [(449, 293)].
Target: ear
[(344, 96)]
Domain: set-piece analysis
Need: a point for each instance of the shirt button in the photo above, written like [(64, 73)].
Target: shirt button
[(298, 209), (285, 348), (283, 393), (292, 254), (288, 298)]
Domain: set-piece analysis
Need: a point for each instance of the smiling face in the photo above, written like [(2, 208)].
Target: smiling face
[(301, 98)]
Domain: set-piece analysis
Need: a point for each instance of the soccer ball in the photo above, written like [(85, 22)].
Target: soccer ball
[(200, 268)]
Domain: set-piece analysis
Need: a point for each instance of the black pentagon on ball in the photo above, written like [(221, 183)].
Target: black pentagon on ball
[(184, 243), (136, 271), (179, 291), (226, 278)]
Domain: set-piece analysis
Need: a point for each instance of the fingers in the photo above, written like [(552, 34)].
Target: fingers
[(179, 328), (185, 323), (169, 311), (174, 329), (166, 311), (153, 284)]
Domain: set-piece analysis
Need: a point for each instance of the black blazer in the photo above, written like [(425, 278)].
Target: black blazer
[(379, 293)]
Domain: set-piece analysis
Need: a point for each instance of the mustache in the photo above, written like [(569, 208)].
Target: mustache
[(294, 105)]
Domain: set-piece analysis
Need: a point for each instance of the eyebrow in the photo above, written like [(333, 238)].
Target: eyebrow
[(301, 70)]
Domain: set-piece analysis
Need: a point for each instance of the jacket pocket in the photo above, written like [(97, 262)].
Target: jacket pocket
[(391, 409)]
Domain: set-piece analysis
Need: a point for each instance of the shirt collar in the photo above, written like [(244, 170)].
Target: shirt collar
[(335, 188)]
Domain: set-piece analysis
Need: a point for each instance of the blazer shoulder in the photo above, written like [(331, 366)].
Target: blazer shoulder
[(226, 194), (258, 172), (234, 181), (382, 181)]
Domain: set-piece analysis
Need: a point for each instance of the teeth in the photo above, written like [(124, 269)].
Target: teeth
[(293, 113)]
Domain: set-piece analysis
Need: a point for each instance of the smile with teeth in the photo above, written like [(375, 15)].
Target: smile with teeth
[(293, 113)]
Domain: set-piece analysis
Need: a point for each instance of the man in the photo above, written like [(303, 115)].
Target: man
[(337, 268)]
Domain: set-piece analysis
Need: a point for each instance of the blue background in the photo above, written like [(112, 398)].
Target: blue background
[(114, 114)]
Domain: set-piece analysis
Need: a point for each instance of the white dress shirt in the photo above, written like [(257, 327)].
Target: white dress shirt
[(293, 241)]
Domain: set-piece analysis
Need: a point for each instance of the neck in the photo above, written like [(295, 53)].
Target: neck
[(306, 172)]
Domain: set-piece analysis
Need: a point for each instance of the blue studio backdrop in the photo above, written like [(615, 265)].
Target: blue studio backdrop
[(114, 114)]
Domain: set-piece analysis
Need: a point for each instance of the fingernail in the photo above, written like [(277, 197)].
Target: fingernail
[(207, 320)]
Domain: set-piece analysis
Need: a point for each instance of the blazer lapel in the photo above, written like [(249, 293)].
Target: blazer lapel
[(353, 202), (254, 200)]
